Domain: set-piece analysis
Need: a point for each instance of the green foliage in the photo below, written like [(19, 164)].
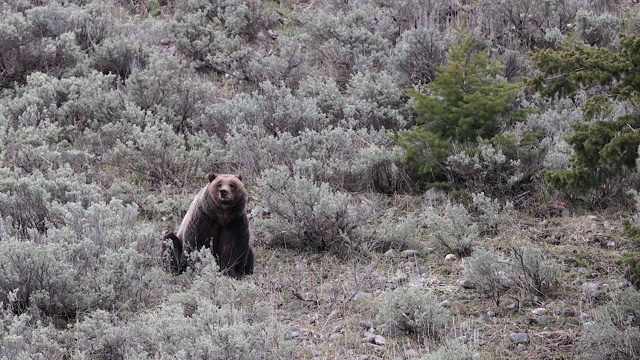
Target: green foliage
[(465, 102), (605, 151), (631, 261), (465, 99), (303, 213), (614, 331), (413, 310)]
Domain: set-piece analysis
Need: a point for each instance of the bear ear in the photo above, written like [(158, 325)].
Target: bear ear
[(211, 176), (239, 177)]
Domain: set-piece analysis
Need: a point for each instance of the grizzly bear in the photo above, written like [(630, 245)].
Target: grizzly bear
[(217, 220)]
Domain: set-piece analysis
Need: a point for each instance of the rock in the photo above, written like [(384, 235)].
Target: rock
[(389, 253), (411, 353), (366, 325), (451, 257), (592, 289), (512, 306), (543, 319), (445, 303), (520, 338), (584, 317), (568, 312), (491, 312), (540, 311), (368, 337), (380, 340), (466, 284), (409, 253), (593, 217)]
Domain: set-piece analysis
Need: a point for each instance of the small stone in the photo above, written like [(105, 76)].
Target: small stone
[(445, 303), (466, 284), (380, 340), (539, 311), (491, 312), (389, 253), (593, 217), (611, 244), (409, 253), (543, 319), (568, 312), (511, 306), (451, 257), (520, 338)]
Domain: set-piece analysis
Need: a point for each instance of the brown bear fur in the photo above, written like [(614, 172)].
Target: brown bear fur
[(217, 220)]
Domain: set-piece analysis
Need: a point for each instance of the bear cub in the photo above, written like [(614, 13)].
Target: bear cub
[(217, 220)]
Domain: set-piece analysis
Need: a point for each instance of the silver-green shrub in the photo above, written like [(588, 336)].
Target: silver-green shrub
[(156, 154), (89, 261), (532, 272), (414, 310), (614, 331), (486, 270), (214, 318), (489, 213), (27, 202), (222, 36), (51, 38), (375, 100), (348, 159), (418, 53), (273, 108), (170, 91), (453, 230), (597, 29), (391, 231), (485, 169), (304, 213), (23, 337), (347, 42)]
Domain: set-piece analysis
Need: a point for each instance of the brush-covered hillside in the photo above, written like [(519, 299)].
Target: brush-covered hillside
[(427, 179)]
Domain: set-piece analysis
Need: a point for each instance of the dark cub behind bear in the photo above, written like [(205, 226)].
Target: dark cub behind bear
[(217, 220)]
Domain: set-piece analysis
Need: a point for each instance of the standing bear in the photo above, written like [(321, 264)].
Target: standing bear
[(216, 219)]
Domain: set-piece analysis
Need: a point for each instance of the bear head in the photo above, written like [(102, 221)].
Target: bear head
[(227, 191)]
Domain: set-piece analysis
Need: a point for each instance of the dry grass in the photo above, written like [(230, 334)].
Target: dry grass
[(329, 301)]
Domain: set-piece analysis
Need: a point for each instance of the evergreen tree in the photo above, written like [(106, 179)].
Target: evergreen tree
[(467, 102), (605, 152)]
